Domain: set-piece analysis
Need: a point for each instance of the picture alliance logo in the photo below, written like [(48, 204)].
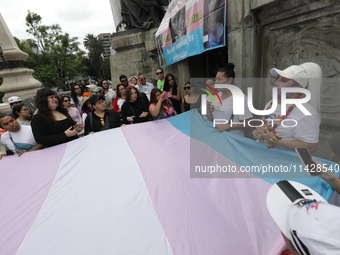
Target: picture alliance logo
[(239, 103)]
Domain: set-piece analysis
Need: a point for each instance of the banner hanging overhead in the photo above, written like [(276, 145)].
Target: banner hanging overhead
[(190, 27)]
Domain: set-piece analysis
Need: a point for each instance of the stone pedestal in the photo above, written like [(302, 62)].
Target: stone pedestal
[(135, 53), (17, 81)]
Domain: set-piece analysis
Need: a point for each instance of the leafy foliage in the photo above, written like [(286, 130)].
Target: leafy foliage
[(59, 57), (96, 49)]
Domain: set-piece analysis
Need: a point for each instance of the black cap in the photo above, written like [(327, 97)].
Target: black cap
[(94, 98)]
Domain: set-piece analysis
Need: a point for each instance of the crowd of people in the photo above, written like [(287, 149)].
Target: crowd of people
[(134, 100), (57, 120)]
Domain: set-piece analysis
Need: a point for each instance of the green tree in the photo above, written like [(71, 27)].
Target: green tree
[(96, 49), (59, 56)]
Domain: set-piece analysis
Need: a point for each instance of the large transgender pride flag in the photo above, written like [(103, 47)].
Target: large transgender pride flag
[(128, 191)]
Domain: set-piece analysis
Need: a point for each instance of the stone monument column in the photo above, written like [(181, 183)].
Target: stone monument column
[(17, 80)]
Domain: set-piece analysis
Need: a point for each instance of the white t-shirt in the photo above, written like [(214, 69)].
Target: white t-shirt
[(23, 137), (120, 102), (306, 129), (225, 111), (75, 115), (110, 94), (145, 89), (80, 103)]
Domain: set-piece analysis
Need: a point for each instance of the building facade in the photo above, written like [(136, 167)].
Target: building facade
[(261, 34), (106, 39)]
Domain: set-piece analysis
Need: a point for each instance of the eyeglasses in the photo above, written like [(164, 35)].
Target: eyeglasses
[(66, 101), (124, 80), (142, 79), (187, 87), (159, 73)]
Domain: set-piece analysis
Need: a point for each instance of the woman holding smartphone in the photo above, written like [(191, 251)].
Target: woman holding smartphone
[(52, 125), (160, 107)]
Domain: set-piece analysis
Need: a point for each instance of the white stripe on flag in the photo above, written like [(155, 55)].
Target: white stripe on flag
[(98, 204)]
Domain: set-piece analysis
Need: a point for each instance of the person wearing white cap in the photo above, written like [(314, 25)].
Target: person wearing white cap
[(308, 223), (14, 100), (299, 130)]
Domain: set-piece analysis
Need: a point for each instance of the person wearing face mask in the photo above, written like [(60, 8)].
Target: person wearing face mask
[(299, 129)]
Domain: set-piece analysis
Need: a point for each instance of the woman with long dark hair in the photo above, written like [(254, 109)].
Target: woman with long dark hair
[(171, 86), (52, 125), (134, 109), (109, 94), (120, 98), (77, 96), (73, 111), (160, 107), (192, 99), (22, 114)]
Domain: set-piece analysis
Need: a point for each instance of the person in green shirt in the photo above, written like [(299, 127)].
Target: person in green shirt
[(160, 82)]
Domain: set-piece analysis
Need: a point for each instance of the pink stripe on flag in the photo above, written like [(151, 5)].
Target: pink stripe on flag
[(22, 192), (202, 215)]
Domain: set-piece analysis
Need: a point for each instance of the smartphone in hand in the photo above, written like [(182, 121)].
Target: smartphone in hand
[(75, 127), (306, 159)]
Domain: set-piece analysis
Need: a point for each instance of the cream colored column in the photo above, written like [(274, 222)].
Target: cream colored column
[(17, 81)]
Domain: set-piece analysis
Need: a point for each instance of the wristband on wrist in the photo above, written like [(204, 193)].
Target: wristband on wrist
[(271, 143)]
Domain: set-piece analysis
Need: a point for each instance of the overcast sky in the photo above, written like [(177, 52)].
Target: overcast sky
[(76, 17)]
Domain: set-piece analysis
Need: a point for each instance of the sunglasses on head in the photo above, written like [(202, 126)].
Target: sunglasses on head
[(188, 87), (159, 73)]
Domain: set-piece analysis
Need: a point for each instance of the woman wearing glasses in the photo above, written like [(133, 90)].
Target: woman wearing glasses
[(22, 114), (52, 125), (74, 113), (191, 100)]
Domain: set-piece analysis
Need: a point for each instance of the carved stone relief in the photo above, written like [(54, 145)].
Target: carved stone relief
[(316, 41)]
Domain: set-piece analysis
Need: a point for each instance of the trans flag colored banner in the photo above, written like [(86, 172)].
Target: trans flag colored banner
[(190, 27), (133, 190)]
